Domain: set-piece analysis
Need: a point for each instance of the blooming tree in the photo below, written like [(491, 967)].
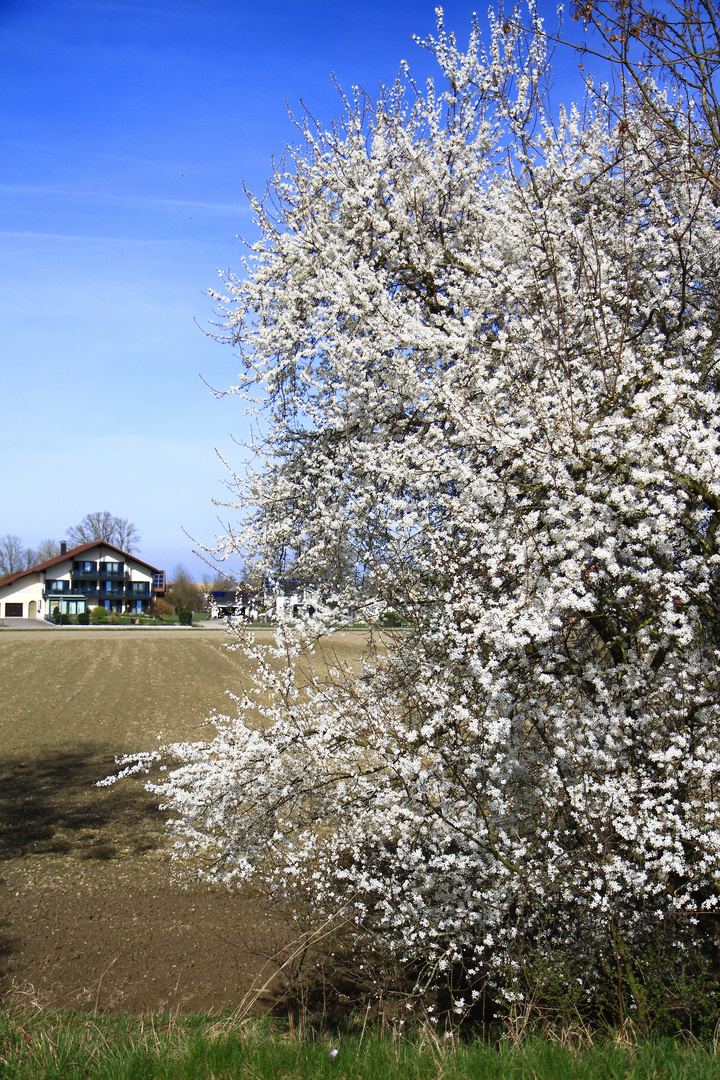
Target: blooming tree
[(483, 348), (676, 40)]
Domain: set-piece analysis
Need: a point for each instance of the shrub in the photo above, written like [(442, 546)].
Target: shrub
[(98, 614), (83, 618), (185, 617), (162, 607), (392, 620)]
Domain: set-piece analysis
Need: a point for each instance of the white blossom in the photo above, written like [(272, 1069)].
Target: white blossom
[(482, 351)]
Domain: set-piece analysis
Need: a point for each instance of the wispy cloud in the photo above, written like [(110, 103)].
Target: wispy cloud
[(133, 240), (127, 200)]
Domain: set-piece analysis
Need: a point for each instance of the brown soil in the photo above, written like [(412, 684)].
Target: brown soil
[(90, 915)]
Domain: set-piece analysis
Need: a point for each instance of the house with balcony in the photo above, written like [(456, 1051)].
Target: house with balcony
[(79, 579)]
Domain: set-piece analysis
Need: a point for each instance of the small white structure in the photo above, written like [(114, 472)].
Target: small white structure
[(79, 579), (292, 598), (232, 604)]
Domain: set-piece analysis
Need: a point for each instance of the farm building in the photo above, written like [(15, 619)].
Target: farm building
[(79, 579)]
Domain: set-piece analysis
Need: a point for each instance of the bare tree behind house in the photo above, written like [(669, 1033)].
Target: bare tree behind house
[(182, 592), (13, 556), (104, 527), (46, 549)]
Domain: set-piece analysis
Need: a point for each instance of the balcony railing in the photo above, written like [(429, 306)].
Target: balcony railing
[(107, 590), (116, 575), (88, 589), (138, 588), (85, 570), (58, 587)]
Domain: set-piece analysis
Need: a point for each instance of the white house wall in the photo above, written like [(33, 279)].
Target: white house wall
[(24, 592)]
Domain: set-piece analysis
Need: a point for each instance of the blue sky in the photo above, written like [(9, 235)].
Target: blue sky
[(127, 131)]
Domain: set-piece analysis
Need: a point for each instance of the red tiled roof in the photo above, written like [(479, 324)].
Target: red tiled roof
[(72, 553)]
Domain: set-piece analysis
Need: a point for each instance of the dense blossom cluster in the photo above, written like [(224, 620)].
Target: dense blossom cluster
[(484, 348)]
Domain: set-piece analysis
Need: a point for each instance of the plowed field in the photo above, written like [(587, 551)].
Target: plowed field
[(89, 913)]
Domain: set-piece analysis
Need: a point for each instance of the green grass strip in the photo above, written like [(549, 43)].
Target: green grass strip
[(70, 1046)]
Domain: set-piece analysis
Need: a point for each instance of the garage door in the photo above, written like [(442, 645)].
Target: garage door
[(13, 611)]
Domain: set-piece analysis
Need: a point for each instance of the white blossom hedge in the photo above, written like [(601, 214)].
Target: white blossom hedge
[(482, 347)]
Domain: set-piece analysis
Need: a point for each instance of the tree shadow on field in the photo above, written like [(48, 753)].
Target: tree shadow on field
[(49, 804)]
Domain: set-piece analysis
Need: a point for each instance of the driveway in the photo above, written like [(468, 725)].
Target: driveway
[(27, 624)]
